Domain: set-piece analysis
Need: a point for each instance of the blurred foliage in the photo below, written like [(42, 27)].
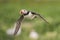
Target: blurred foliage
[(50, 9)]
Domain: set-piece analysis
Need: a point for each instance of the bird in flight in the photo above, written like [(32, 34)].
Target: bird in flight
[(25, 13)]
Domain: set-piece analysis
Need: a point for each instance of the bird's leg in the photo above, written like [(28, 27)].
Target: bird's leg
[(33, 17)]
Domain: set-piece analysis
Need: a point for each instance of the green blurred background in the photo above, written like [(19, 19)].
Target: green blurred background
[(50, 9)]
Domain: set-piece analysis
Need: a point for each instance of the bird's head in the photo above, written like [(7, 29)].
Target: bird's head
[(23, 11)]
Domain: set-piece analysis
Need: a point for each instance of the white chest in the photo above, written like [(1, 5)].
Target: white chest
[(30, 15)]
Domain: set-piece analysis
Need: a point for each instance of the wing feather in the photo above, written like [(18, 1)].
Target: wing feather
[(18, 24), (42, 18), (39, 16)]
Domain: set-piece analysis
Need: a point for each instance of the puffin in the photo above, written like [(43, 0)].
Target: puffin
[(25, 13)]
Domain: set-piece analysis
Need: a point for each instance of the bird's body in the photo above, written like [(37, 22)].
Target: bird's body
[(26, 14), (29, 15)]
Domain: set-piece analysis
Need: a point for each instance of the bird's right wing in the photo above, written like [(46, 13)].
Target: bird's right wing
[(18, 24)]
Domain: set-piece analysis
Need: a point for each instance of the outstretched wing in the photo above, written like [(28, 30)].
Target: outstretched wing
[(18, 24), (39, 16)]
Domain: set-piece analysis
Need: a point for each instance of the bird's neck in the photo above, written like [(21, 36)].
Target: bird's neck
[(27, 13)]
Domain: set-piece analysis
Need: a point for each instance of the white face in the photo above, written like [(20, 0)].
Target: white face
[(23, 11)]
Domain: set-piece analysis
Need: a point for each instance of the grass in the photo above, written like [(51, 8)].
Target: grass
[(9, 13)]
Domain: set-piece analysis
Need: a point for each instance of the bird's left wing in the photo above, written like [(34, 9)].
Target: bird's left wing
[(39, 16), (18, 24)]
